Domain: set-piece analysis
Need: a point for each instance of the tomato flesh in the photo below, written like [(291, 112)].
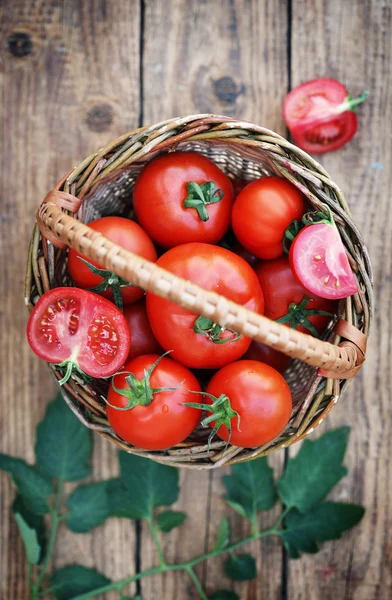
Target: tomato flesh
[(261, 397), (318, 115), (319, 261), (164, 422), (68, 324)]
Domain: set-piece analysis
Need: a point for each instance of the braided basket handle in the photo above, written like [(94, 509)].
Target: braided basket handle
[(340, 362)]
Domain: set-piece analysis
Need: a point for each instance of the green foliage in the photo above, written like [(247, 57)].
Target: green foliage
[(30, 539), (63, 443), (224, 595), (316, 469), (169, 519), (327, 521), (142, 486), (74, 580), (250, 487), (241, 567), (34, 521), (31, 485), (89, 506), (223, 535)]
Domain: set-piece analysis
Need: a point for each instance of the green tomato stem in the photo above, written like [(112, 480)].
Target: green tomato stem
[(197, 583), (158, 545), (55, 523)]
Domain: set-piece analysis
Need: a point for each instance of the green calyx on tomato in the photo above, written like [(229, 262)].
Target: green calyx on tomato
[(111, 281), (221, 414), (199, 196), (71, 366), (213, 331), (298, 315), (309, 218), (140, 392)]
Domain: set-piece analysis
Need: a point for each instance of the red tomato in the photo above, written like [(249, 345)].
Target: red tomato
[(183, 197), (155, 418), (269, 356), (320, 115), (260, 397), (125, 233), (251, 259), (284, 295), (262, 213), (197, 342), (319, 261), (239, 185), (80, 330), (143, 340)]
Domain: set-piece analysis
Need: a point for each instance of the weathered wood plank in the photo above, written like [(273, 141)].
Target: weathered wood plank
[(351, 41), (70, 82), (226, 57)]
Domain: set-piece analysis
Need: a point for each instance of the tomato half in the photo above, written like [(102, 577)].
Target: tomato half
[(155, 418), (143, 340), (263, 211), (125, 233), (319, 261), (197, 342), (183, 197), (79, 330), (320, 115), (284, 295), (255, 401), (265, 354)]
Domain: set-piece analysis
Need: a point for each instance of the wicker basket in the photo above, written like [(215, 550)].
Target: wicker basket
[(102, 185)]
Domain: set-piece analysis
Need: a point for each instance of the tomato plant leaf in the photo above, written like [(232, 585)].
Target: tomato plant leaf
[(34, 521), (241, 567), (89, 506), (74, 580), (250, 487), (223, 535), (169, 519), (29, 538), (142, 485), (316, 469), (327, 521), (63, 443), (34, 487), (224, 595)]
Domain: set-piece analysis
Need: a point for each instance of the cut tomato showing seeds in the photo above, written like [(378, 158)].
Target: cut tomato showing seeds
[(319, 261), (79, 330)]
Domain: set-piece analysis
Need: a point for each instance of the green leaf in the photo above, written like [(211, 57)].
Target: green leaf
[(250, 487), (89, 506), (143, 485), (34, 521), (30, 540), (31, 485), (63, 443), (224, 595), (223, 535), (169, 519), (327, 521), (74, 580), (316, 469), (241, 567)]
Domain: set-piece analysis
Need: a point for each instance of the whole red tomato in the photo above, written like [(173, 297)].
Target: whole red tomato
[(125, 233), (183, 197), (265, 354), (252, 403), (287, 300), (263, 211), (195, 341), (143, 340), (79, 331), (320, 115), (146, 402)]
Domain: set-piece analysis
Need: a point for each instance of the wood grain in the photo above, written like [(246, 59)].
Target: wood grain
[(71, 82), (352, 43), (77, 89), (226, 58)]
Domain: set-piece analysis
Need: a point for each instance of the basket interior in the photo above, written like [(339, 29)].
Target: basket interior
[(113, 196)]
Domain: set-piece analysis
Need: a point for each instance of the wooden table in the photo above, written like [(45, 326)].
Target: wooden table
[(78, 73)]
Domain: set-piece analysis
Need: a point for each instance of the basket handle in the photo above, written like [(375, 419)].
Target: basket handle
[(340, 362)]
